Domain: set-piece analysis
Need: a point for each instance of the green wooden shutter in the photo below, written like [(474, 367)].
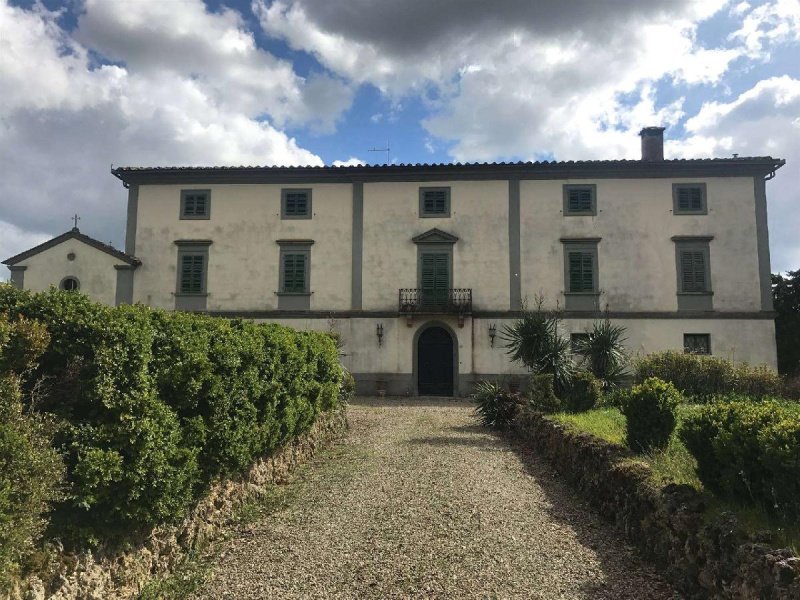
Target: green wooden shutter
[(434, 202), (581, 271), (435, 277), (690, 199), (693, 271), (192, 274), (579, 200), (296, 204), (195, 205), (294, 273)]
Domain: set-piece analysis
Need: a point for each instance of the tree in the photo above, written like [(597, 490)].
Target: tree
[(603, 352), (786, 298)]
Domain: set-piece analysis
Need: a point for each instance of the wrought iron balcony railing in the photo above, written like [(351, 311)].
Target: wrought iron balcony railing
[(420, 301)]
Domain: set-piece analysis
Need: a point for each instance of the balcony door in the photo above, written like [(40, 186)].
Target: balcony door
[(434, 277)]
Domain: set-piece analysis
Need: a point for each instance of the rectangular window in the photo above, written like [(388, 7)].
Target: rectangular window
[(693, 271), (195, 204), (581, 271), (295, 203), (575, 341), (580, 200), (434, 202), (295, 268), (435, 277), (192, 276), (697, 343), (689, 199)]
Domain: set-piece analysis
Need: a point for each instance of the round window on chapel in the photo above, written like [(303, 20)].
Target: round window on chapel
[(70, 284), (71, 256)]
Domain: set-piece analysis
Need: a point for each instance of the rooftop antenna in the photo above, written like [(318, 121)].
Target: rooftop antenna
[(75, 220), (387, 149)]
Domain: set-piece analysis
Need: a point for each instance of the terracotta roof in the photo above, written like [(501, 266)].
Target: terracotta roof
[(544, 169), (74, 233)]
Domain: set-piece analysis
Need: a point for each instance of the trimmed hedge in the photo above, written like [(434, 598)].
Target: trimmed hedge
[(584, 393), (154, 404), (749, 452), (702, 378), (649, 412), (31, 471)]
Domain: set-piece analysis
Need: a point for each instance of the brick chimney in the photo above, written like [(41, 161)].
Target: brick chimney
[(652, 143)]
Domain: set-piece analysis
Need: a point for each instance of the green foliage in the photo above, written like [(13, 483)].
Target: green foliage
[(603, 352), (496, 407), (650, 415), (786, 299), (584, 392), (542, 396), (31, 471), (155, 404), (748, 452), (702, 378), (535, 341), (614, 397), (347, 390)]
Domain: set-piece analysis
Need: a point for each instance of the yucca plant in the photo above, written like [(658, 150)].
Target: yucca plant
[(603, 353), (535, 341), (496, 407)]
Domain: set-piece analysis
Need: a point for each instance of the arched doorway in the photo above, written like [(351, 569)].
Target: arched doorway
[(435, 362)]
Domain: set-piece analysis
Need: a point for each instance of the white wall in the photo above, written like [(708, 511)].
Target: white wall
[(636, 256), (243, 269), (93, 268), (479, 218)]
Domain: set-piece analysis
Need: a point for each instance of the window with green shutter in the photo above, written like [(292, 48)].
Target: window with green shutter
[(295, 265), (434, 202), (689, 199), (192, 273), (580, 199), (434, 277), (295, 203), (195, 204), (693, 271), (581, 271)]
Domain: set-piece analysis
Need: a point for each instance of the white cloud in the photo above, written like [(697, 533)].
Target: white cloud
[(774, 22), (350, 162), (61, 129), (14, 240), (758, 122)]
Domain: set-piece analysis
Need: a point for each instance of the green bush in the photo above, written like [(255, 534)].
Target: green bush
[(584, 392), (702, 378), (650, 415), (748, 452), (496, 407), (347, 391), (614, 397), (31, 471), (542, 396), (154, 404)]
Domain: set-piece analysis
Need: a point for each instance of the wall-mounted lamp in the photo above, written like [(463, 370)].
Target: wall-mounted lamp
[(492, 333), (379, 333)]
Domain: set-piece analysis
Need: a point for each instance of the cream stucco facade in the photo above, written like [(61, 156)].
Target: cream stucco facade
[(665, 248)]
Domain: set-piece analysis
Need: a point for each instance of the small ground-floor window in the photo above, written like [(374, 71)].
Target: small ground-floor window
[(697, 343)]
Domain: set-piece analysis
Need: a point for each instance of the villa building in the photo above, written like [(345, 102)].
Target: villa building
[(419, 267)]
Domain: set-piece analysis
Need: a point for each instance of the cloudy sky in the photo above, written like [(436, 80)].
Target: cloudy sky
[(88, 83)]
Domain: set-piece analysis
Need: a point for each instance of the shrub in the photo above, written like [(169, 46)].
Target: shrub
[(749, 452), (650, 415), (584, 392), (154, 404), (702, 378), (496, 407), (791, 388), (614, 397), (603, 352), (542, 395), (535, 341), (347, 390), (31, 471)]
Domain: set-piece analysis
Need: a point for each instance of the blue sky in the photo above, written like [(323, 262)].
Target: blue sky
[(149, 82)]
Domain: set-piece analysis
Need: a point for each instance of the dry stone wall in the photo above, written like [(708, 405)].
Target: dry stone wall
[(701, 557), (103, 575)]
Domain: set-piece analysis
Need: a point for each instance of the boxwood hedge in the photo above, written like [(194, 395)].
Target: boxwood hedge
[(154, 404)]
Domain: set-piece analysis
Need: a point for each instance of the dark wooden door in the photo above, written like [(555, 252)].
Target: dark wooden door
[(435, 363)]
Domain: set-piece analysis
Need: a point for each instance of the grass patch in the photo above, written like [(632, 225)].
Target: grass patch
[(676, 465)]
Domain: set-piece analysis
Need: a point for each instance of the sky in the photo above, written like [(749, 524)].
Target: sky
[(87, 84)]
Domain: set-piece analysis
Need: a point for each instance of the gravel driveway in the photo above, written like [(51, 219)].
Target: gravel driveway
[(419, 502)]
